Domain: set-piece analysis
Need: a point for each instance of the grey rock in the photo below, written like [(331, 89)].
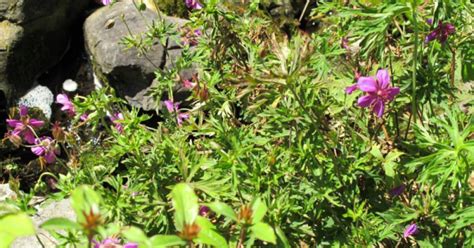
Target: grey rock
[(6, 192), (126, 70), (47, 211), (40, 97), (34, 37)]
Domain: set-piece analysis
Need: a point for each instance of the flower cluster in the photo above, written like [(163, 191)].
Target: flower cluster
[(441, 32), (23, 128), (378, 91)]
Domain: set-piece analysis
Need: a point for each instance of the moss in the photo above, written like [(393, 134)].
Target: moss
[(10, 33)]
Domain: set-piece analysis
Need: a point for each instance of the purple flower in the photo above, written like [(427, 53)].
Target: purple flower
[(378, 91), (193, 4), (68, 106), (174, 107), (441, 32), (204, 210), (410, 230), (116, 118), (24, 127), (352, 88), (46, 148), (397, 190), (113, 242)]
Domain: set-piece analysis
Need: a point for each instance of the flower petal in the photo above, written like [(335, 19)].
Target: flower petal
[(350, 89), (383, 78), (431, 36), (392, 92), (36, 123), (50, 157), (130, 245), (62, 99), (379, 108), (29, 136), (14, 123), (23, 110), (38, 150), (365, 101), (367, 84)]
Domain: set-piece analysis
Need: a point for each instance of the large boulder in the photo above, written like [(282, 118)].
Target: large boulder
[(34, 36), (126, 70)]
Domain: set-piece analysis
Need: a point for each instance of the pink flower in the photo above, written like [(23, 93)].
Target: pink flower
[(68, 106), (171, 106), (46, 148), (441, 32), (410, 230), (104, 2), (174, 107), (24, 127), (84, 117), (188, 84), (378, 91), (116, 118), (353, 87), (193, 4), (204, 210)]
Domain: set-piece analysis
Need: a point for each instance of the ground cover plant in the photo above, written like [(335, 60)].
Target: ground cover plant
[(357, 133)]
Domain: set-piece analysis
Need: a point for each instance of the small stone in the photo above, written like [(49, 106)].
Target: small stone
[(40, 97), (69, 85)]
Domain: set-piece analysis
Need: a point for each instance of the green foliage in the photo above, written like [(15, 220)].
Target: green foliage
[(274, 147)]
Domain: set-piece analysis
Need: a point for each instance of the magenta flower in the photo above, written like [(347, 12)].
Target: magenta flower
[(46, 148), (174, 107), (113, 242), (68, 106), (204, 210), (345, 43), (441, 32), (24, 127), (193, 4), (116, 118), (104, 2), (188, 84), (352, 88), (171, 106), (410, 230), (378, 91)]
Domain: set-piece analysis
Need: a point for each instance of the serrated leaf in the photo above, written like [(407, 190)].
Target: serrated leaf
[(221, 208), (263, 232)]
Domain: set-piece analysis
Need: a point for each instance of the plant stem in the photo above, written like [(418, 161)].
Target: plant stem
[(242, 237), (415, 58)]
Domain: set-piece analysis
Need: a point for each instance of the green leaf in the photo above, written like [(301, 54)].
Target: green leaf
[(135, 234), (223, 209), (166, 241), (259, 208), (210, 237), (60, 223), (13, 226), (263, 232), (186, 206)]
